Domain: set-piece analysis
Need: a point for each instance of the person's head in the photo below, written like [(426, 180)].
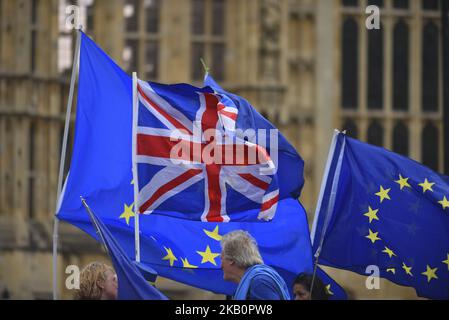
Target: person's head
[(238, 252), (98, 281), (302, 285)]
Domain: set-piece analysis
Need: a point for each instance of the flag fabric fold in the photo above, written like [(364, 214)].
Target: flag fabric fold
[(290, 165)]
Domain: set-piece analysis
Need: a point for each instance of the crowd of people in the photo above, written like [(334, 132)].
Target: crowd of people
[(241, 263)]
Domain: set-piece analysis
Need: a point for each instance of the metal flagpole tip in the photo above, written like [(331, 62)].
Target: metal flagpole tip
[(83, 201), (206, 68)]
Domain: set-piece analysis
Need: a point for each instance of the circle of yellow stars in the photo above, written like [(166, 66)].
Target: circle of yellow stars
[(372, 214)]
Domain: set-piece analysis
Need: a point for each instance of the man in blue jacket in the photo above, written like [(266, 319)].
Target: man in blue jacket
[(241, 263)]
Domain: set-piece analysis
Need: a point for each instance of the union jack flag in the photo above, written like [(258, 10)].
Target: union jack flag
[(218, 178)]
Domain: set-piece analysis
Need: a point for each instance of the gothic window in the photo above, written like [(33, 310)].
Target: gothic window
[(430, 4), (151, 59), (141, 51), (351, 128), (152, 13), (391, 116), (429, 146), (197, 67), (400, 66), (198, 16), (400, 139), (131, 55), (378, 3), (375, 68), (208, 38), (401, 4), (218, 14), (350, 3), (349, 81), (66, 43), (131, 15), (375, 134), (34, 26), (430, 67)]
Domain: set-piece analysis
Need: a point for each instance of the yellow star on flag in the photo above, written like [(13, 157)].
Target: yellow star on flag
[(208, 256), (186, 264), (213, 234), (426, 185), (170, 256), (407, 269), (383, 194), (371, 214), (447, 261), (389, 252), (444, 203), (328, 290), (372, 236), (392, 270), (127, 213), (402, 182), (430, 273)]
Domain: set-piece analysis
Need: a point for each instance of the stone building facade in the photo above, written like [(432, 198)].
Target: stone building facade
[(309, 66)]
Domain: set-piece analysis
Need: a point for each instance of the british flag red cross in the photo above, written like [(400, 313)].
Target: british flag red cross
[(216, 161)]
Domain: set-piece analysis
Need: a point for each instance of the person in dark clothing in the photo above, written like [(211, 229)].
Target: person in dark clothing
[(302, 285)]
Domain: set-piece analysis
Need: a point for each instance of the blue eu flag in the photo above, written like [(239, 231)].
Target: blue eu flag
[(381, 208), (184, 250)]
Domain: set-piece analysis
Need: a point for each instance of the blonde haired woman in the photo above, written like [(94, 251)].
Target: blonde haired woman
[(98, 281)]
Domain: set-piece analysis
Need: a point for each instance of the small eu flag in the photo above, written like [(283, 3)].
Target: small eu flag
[(131, 282), (380, 208), (333, 289)]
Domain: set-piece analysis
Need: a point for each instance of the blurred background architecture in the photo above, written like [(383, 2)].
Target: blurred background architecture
[(309, 66)]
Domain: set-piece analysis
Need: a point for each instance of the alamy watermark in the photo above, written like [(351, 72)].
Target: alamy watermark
[(215, 147), (72, 282), (372, 282), (373, 20)]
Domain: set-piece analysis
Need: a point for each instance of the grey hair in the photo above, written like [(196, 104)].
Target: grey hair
[(240, 247)]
